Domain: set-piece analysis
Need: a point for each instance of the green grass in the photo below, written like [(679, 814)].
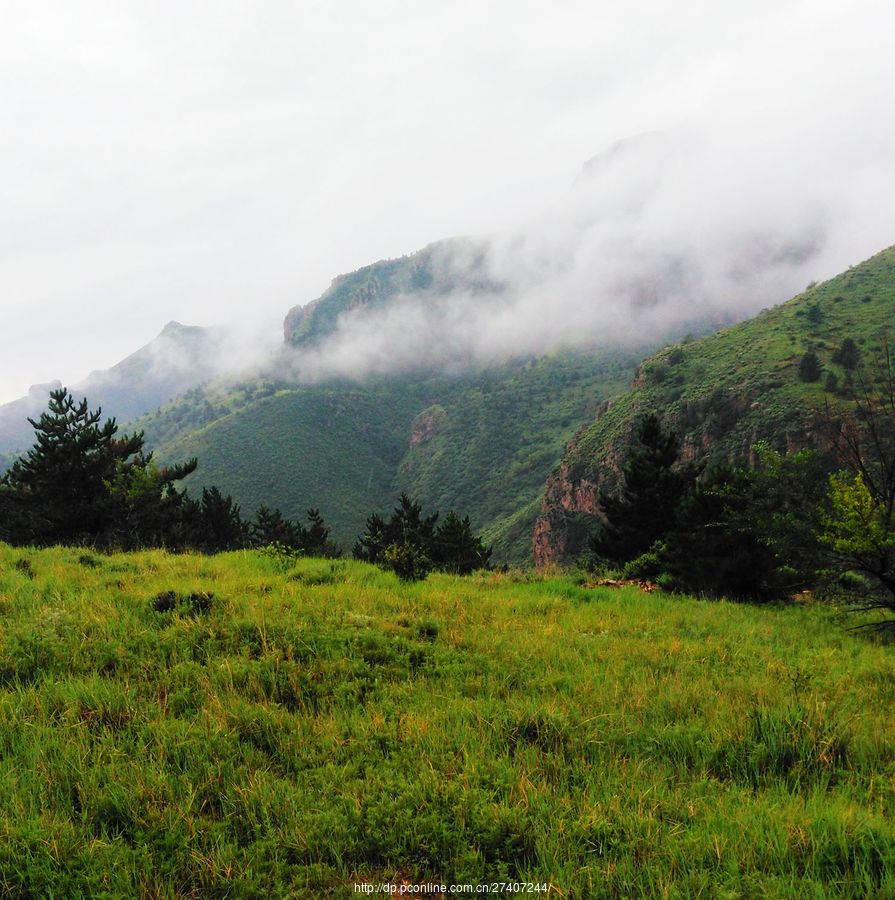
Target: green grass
[(280, 729)]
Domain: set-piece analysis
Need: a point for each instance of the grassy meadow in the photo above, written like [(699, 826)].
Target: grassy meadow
[(248, 726)]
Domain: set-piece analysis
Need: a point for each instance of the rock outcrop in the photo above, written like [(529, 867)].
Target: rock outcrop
[(426, 425)]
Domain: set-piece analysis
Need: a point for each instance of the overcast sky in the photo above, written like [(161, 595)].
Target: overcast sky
[(216, 162)]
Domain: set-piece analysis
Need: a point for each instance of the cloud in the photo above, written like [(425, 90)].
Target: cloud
[(223, 163), (782, 176)]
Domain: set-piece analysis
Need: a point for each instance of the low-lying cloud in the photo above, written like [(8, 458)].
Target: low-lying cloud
[(785, 177)]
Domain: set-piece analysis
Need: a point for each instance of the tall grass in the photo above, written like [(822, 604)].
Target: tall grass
[(241, 726)]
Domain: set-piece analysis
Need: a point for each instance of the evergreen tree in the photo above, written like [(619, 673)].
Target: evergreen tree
[(652, 489), (714, 548), (151, 512), (61, 480), (371, 545), (747, 534), (407, 527), (411, 544), (456, 549), (81, 483), (810, 368), (315, 538), (219, 525), (847, 354), (270, 526)]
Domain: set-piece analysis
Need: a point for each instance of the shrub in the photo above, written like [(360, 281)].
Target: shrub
[(648, 565), (815, 314), (408, 561), (810, 368), (847, 355)]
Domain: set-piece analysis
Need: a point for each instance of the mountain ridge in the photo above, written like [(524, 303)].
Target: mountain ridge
[(722, 394), (177, 359)]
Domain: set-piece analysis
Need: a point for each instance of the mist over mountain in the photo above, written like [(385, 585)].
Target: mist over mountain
[(773, 181), (658, 234), (178, 359), (226, 169)]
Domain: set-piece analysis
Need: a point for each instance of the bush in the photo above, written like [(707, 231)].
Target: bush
[(408, 561), (810, 368), (647, 566), (847, 355)]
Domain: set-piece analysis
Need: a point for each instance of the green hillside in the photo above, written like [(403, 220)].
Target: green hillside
[(726, 391), (334, 448), (244, 726), (350, 449), (502, 433)]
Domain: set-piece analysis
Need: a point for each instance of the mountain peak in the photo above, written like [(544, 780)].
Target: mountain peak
[(42, 390)]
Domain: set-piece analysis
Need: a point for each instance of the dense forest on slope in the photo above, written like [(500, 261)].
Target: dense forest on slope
[(481, 442), (764, 379)]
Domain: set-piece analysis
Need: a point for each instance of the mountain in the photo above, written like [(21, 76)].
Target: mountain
[(448, 373), (480, 440), (179, 358), (436, 271), (725, 392), (421, 414)]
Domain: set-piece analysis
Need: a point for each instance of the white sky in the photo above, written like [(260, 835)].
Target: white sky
[(221, 161)]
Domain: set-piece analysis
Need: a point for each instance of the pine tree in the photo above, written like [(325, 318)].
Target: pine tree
[(406, 527), (403, 544), (219, 524), (315, 538), (411, 544), (371, 544), (847, 354), (270, 526), (652, 490), (456, 549), (715, 547), (151, 512), (810, 368), (409, 526), (81, 483)]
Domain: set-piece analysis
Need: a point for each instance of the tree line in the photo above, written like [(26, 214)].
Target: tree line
[(83, 484)]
